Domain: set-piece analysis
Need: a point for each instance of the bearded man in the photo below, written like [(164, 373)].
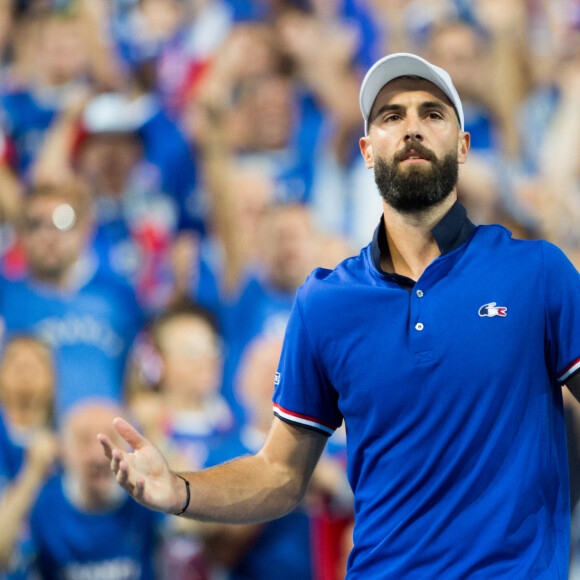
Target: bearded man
[(443, 347)]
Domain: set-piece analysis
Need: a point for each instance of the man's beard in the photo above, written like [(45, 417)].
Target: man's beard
[(416, 188), (51, 273)]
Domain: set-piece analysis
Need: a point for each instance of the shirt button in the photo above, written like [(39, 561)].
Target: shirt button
[(420, 293), (419, 326)]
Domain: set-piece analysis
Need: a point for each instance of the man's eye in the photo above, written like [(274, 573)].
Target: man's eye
[(391, 118), (435, 115)]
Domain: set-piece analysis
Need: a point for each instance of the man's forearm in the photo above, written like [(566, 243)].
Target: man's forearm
[(255, 488), (242, 491)]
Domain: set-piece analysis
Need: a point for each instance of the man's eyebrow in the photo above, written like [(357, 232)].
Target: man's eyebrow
[(388, 109), (433, 105)]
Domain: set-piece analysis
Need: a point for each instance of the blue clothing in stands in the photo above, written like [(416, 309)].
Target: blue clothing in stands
[(90, 329), (261, 309), (11, 460), (118, 544), (11, 456), (165, 146), (26, 119), (483, 128), (133, 235)]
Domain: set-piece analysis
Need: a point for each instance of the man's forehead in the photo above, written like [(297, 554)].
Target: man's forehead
[(408, 84)]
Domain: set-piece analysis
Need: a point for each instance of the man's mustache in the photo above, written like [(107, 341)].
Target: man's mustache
[(417, 148)]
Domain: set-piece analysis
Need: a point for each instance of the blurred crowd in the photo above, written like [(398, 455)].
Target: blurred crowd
[(170, 172)]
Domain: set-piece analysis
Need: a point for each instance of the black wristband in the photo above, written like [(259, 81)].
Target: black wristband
[(187, 499)]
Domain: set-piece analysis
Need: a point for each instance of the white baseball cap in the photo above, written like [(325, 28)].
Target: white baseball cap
[(115, 113), (399, 65)]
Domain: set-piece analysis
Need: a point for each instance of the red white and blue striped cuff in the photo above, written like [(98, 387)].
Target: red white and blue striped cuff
[(303, 420), (569, 370)]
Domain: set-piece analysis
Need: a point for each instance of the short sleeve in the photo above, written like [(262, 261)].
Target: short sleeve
[(303, 395), (562, 296)]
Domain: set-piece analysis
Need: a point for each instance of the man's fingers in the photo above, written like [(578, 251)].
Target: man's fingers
[(121, 461), (129, 433), (137, 489), (118, 458), (116, 461), (122, 471), (140, 489), (106, 444)]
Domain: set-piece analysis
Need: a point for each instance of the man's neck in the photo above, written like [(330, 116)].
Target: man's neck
[(412, 246), (73, 277), (91, 502), (53, 279)]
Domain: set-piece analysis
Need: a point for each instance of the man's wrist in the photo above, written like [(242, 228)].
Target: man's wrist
[(185, 504)]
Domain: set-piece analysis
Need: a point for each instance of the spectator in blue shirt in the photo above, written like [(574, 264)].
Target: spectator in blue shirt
[(184, 413), (28, 446), (82, 524), (87, 316), (142, 176)]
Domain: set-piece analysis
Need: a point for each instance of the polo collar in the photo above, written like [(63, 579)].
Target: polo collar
[(450, 232)]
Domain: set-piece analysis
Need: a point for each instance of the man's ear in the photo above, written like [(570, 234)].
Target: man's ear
[(367, 151), (463, 144)]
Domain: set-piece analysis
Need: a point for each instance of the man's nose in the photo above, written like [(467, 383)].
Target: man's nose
[(413, 128), (413, 136)]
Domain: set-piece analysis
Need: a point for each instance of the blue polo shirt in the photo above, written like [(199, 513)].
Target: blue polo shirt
[(449, 388)]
